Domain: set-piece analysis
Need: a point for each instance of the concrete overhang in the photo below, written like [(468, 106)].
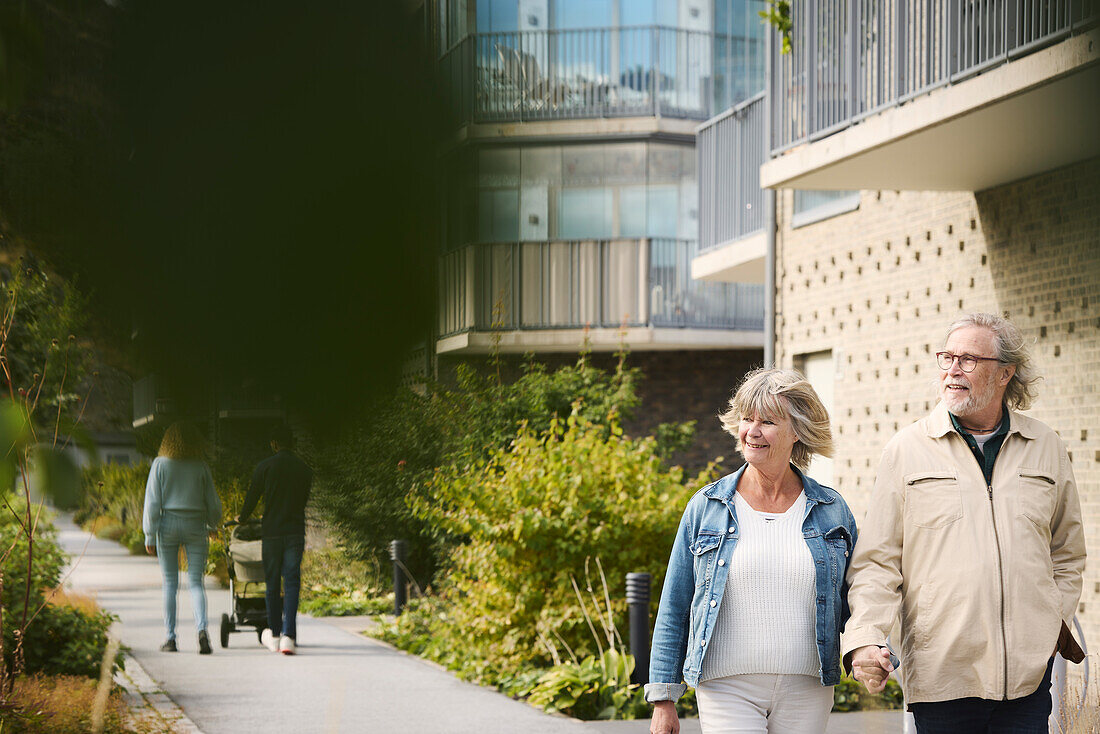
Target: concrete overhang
[(1030, 115), (737, 261), (597, 130), (637, 338)]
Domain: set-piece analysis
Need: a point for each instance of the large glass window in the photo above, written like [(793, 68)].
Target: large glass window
[(738, 51), (583, 14), (571, 192)]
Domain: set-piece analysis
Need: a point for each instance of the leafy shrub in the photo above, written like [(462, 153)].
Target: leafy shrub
[(594, 688), (116, 492), (534, 517), (335, 585), (364, 479), (61, 638)]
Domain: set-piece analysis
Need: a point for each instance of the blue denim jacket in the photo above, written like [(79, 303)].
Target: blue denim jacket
[(708, 532)]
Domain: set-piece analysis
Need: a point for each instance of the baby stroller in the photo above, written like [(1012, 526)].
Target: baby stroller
[(246, 580)]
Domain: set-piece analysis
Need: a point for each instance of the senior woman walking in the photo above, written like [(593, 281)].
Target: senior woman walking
[(181, 507), (753, 600)]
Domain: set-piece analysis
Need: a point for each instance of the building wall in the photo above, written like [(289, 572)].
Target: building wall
[(879, 285), (675, 386)]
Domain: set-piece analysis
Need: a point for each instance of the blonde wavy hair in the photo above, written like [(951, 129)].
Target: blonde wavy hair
[(778, 394), (184, 440)]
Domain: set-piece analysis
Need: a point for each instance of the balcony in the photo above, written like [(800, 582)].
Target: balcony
[(551, 296), (151, 400), (933, 94), (524, 76), (731, 202)]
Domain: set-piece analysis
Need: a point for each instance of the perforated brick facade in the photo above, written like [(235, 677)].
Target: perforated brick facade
[(879, 285)]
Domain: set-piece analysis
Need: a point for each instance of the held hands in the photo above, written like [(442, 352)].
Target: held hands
[(871, 666), (664, 719)]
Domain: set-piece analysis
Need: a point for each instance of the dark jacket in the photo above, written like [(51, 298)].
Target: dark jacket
[(283, 480)]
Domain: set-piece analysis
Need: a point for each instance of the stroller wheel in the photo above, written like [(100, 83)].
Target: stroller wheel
[(224, 630)]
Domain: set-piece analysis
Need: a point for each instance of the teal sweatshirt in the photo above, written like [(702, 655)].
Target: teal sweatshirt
[(182, 485)]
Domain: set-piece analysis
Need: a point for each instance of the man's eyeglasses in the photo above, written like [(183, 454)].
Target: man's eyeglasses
[(967, 362)]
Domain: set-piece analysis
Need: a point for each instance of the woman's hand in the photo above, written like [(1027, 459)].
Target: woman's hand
[(664, 719), (151, 550)]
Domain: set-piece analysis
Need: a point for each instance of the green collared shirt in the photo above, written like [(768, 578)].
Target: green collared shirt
[(986, 458)]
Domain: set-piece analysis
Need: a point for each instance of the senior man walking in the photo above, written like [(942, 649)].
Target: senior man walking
[(974, 533)]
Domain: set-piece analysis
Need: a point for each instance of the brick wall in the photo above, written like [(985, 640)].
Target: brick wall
[(675, 386), (879, 285)]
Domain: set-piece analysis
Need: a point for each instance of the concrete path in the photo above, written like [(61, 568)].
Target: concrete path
[(339, 682)]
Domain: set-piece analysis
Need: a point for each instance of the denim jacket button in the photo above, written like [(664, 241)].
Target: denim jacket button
[(721, 561), (703, 643), (713, 603), (731, 530), (845, 554)]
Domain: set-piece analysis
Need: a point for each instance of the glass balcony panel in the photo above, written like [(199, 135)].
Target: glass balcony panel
[(585, 213), (622, 283), (602, 283), (532, 284)]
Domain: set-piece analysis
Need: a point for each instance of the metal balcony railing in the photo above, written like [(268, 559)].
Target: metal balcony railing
[(730, 150), (564, 74), (597, 283), (852, 58)]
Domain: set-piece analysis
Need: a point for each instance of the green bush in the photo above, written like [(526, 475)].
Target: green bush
[(365, 478), (116, 491), (335, 585), (536, 519), (594, 688), (59, 639)]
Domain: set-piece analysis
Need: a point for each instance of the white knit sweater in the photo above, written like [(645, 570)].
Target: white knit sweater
[(766, 620)]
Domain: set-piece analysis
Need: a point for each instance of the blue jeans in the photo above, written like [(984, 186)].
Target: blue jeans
[(1027, 715), (283, 561), (188, 530)]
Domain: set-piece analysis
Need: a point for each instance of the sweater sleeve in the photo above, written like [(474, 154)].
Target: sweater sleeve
[(212, 501), (150, 521)]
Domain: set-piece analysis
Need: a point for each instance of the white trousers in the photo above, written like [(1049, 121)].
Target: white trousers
[(764, 704)]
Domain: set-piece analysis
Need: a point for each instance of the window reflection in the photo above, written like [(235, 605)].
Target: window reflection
[(566, 192)]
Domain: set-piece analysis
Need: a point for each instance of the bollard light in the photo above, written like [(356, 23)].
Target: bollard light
[(398, 554), (637, 598)]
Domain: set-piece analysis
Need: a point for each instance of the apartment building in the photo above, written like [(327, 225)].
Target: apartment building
[(569, 202), (928, 158)]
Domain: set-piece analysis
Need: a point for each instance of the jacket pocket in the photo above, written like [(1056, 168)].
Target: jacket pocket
[(704, 549), (1035, 496), (933, 499)]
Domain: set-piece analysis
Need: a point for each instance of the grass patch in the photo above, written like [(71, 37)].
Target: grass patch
[(63, 704)]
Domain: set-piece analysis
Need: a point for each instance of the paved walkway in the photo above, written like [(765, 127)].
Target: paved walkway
[(339, 682)]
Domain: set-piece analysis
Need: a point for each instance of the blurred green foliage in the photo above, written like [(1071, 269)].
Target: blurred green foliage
[(534, 519), (60, 639)]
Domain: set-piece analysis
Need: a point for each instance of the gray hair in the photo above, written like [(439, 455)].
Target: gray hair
[(775, 394), (1010, 348)]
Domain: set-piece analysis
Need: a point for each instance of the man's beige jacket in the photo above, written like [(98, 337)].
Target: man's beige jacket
[(982, 576)]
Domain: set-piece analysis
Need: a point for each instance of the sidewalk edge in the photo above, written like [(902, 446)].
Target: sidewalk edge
[(148, 700)]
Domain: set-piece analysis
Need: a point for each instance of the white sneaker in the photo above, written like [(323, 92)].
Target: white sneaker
[(268, 640), (286, 645)]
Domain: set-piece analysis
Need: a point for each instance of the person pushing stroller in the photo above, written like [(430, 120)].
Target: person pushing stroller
[(284, 481)]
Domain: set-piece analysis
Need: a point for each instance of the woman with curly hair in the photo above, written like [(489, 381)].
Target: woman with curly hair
[(181, 508)]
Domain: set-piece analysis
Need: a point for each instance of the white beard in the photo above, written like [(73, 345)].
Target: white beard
[(973, 402)]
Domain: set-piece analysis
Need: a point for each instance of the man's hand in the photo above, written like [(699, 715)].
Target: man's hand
[(151, 550), (664, 719), (870, 666)]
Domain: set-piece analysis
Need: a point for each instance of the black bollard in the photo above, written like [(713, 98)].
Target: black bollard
[(397, 555), (637, 597)]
